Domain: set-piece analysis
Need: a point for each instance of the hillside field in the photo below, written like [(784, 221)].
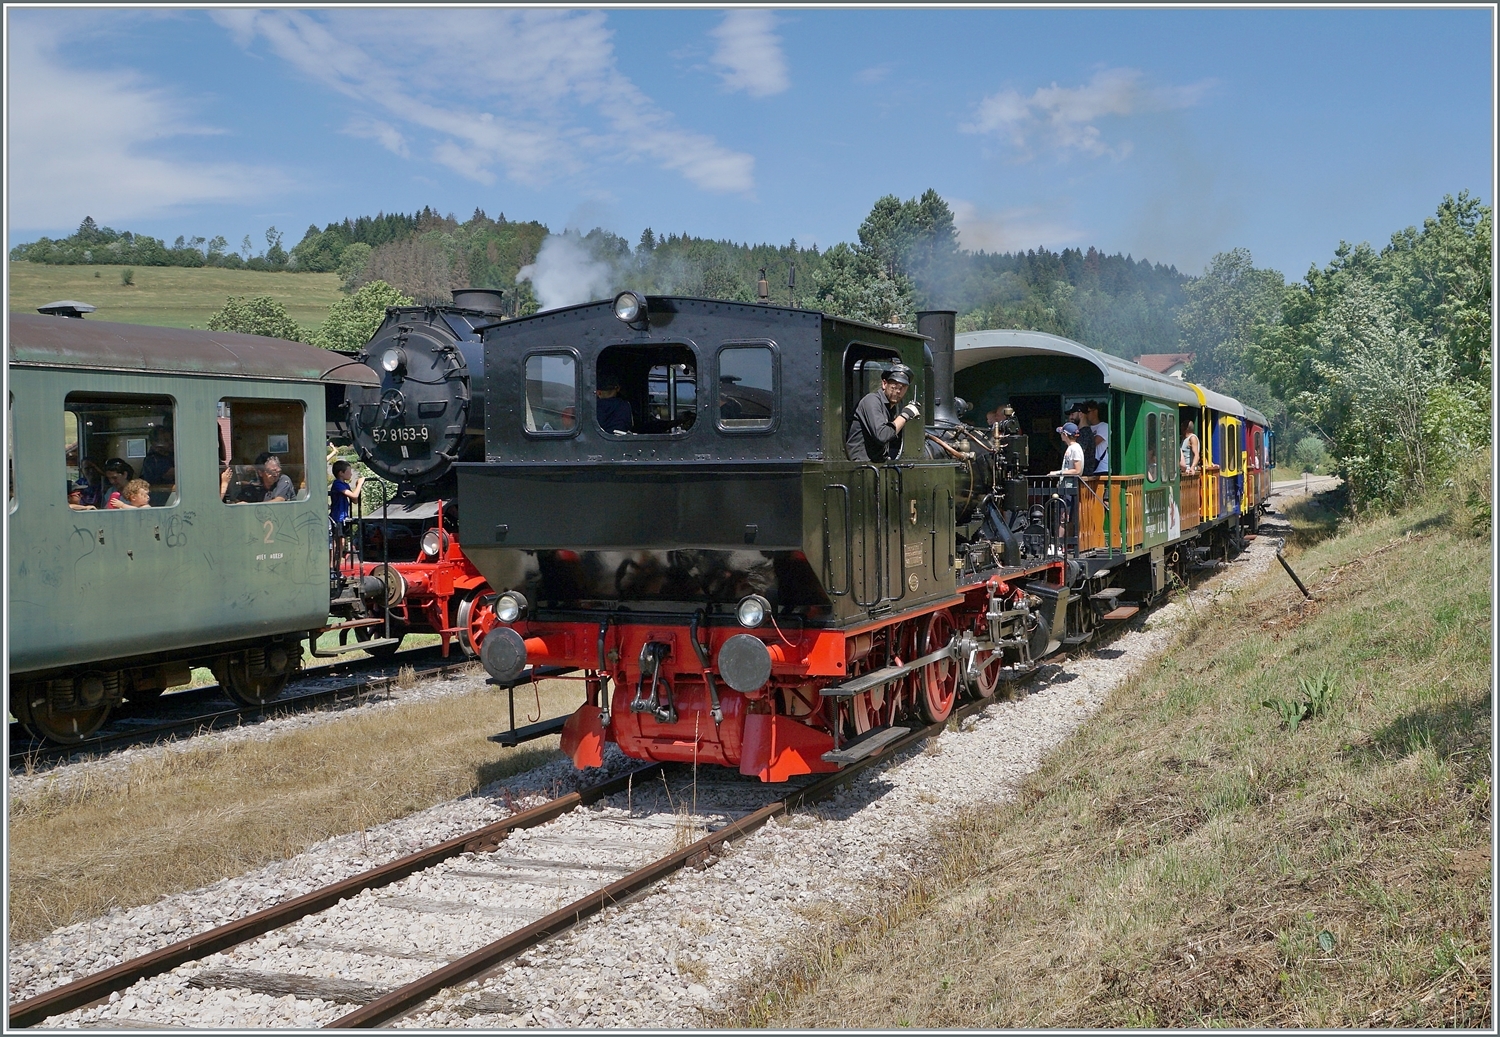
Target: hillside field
[(169, 296)]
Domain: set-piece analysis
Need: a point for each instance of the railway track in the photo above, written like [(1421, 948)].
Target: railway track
[(208, 709), (533, 876)]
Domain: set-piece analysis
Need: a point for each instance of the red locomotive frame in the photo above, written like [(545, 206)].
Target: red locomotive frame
[(788, 725), (437, 593)]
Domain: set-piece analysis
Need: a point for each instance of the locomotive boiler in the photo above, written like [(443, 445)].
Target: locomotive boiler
[(428, 410)]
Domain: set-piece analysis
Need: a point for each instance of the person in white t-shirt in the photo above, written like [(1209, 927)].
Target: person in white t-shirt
[(1099, 440), (1072, 454), (1072, 464)]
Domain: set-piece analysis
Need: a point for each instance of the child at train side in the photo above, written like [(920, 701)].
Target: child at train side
[(340, 494)]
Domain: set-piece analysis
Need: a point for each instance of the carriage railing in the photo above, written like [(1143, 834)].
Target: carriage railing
[(1190, 502), (1110, 514), (1210, 502), (1041, 490)]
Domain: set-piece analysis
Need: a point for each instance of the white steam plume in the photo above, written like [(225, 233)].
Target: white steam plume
[(566, 273)]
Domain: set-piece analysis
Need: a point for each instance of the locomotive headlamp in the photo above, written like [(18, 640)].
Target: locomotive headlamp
[(510, 606), (752, 611), (393, 360), (630, 307), (432, 543)]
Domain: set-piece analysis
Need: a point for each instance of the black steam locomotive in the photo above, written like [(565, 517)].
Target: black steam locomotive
[(663, 501)]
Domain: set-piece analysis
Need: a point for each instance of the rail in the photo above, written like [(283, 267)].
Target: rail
[(81, 992)]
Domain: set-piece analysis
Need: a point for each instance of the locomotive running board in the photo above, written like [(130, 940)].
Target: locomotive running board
[(867, 744), (884, 676), (525, 734)]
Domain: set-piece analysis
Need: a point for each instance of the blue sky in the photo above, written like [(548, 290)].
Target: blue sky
[(1169, 134)]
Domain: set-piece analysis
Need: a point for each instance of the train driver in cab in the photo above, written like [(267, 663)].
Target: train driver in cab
[(614, 412), (875, 432)]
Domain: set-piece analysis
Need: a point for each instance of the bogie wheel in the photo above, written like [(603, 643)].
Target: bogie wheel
[(377, 633), (477, 617), (939, 686), (48, 718), (861, 715), (254, 677)]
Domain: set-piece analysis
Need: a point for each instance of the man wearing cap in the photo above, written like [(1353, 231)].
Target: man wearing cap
[(1096, 442), (875, 432), (614, 413)]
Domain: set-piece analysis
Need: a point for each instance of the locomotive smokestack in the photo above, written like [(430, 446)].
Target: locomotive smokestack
[(938, 325), (486, 300)]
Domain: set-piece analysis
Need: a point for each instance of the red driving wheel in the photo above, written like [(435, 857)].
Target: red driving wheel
[(939, 686)]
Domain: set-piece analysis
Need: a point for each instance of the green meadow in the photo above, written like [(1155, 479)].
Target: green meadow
[(169, 296)]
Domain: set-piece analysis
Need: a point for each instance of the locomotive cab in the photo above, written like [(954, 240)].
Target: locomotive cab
[(695, 456)]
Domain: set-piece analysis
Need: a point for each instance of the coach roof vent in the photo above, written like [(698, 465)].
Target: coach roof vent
[(485, 300), (66, 308)]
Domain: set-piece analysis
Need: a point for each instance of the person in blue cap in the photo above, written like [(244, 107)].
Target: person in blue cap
[(1073, 454)]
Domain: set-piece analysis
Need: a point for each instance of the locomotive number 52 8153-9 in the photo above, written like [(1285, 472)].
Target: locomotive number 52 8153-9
[(401, 434)]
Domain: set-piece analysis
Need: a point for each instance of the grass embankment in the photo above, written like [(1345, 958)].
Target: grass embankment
[(170, 296), (190, 818), (1190, 859)]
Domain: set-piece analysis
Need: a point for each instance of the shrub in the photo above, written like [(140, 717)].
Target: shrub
[(259, 316), (127, 276), (1311, 454), (351, 322)]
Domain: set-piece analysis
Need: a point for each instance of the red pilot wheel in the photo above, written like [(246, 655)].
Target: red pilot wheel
[(476, 614)]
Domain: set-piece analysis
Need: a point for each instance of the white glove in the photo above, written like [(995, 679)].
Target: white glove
[(911, 411)]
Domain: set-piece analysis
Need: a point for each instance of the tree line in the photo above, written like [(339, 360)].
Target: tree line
[(1380, 359)]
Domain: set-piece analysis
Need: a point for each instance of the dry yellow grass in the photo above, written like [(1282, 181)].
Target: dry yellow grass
[(1188, 860), (191, 818)]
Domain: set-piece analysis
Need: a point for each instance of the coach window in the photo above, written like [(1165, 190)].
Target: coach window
[(551, 394), (267, 460), (120, 451), (10, 449), (646, 390), (1151, 443), (1169, 446), (747, 388)]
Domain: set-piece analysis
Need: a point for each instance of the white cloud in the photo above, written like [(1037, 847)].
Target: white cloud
[(749, 54), (567, 107), (382, 132), (1065, 119), (80, 144), (1009, 230)]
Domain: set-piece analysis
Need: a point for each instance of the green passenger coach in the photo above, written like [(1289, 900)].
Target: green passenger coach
[(110, 601)]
